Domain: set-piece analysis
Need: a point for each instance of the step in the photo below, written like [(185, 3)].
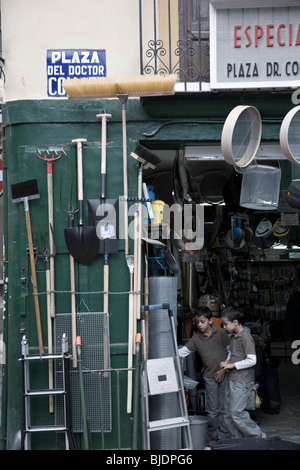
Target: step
[(35, 393), (168, 423), (46, 428), (44, 357)]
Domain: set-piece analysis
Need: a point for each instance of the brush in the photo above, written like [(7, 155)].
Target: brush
[(140, 85), (147, 84), (90, 87), (145, 156)]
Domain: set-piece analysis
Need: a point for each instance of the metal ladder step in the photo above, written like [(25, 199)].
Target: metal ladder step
[(35, 393), (29, 393), (168, 423), (44, 357), (46, 428), (159, 377)]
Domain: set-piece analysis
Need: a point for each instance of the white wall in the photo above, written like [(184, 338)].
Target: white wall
[(31, 27)]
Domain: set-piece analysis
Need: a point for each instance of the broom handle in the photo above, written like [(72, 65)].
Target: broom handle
[(139, 244), (125, 178), (34, 280)]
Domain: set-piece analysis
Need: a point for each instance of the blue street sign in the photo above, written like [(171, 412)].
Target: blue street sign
[(72, 63)]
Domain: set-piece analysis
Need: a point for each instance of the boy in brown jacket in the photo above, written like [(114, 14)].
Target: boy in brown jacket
[(212, 344), (238, 366)]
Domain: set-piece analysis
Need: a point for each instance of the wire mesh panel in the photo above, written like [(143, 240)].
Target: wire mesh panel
[(93, 328)]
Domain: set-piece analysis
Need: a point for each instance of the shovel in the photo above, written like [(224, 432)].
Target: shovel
[(106, 230), (24, 192), (82, 242), (103, 208)]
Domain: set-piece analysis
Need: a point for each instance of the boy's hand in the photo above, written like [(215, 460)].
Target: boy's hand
[(222, 364), (219, 375), (227, 365)]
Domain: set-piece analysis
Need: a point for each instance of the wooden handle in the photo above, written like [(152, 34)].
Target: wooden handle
[(73, 311), (104, 118), (105, 287), (51, 241), (50, 349), (105, 309), (78, 143), (130, 353), (34, 280)]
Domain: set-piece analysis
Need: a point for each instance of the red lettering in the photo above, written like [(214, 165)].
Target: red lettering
[(248, 36), (298, 37), (236, 37), (258, 33), (245, 36), (278, 35), (269, 35)]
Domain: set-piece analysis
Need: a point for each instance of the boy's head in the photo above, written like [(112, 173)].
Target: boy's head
[(232, 318), (204, 319), (204, 312)]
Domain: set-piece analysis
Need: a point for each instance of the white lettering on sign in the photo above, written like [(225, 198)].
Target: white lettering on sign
[(72, 63)]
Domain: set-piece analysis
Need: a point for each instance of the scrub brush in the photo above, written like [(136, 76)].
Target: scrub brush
[(144, 155)]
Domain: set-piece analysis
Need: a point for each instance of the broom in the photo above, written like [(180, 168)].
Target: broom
[(140, 85)]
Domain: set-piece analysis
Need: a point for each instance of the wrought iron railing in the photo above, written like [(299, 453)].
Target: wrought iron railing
[(178, 41)]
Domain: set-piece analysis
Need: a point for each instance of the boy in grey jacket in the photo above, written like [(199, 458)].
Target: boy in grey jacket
[(242, 359), (212, 344)]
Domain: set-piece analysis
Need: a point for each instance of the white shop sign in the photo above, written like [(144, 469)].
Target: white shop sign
[(72, 63), (257, 46)]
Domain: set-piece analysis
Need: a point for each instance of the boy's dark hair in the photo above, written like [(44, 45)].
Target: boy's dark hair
[(232, 314), (204, 312)]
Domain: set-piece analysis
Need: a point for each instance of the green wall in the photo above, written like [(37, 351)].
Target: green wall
[(166, 122)]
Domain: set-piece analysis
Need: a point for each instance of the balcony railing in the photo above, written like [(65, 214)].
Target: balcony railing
[(174, 38)]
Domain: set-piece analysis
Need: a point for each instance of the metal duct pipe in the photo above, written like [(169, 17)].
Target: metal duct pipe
[(162, 289)]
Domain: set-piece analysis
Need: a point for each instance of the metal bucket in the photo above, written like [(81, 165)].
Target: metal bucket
[(198, 425)]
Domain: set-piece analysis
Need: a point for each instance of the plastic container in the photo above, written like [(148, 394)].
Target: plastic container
[(157, 207), (151, 195), (198, 426), (260, 187)]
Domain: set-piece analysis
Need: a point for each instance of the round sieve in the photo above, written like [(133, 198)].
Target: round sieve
[(241, 135), (289, 135)]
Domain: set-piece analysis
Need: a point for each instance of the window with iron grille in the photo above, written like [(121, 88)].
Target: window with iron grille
[(174, 38)]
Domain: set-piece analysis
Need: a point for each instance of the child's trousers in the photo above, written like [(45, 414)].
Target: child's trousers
[(215, 404), (237, 419)]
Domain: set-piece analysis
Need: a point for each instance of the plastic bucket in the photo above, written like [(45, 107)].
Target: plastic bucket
[(198, 426), (157, 207), (260, 187)]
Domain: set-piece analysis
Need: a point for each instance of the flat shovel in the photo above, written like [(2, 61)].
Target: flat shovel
[(24, 192), (82, 242)]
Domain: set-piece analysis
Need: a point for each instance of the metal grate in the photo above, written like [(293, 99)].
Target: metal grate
[(93, 327)]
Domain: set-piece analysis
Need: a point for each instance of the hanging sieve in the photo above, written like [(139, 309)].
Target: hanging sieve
[(260, 187), (289, 135), (241, 135)]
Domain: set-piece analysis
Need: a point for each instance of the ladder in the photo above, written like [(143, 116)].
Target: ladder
[(159, 376), (29, 393)]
